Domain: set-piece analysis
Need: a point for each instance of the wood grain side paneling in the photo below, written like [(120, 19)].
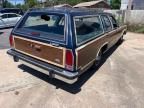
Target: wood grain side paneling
[(87, 53), (47, 53)]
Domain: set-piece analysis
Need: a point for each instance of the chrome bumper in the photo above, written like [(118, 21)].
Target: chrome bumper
[(52, 71)]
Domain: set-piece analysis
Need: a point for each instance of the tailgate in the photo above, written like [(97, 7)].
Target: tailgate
[(42, 51)]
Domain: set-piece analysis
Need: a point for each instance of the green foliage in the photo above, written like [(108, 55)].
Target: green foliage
[(136, 28), (31, 3), (115, 4), (18, 6), (7, 4), (35, 3)]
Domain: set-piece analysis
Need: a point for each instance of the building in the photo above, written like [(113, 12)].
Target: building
[(136, 4), (94, 4), (64, 5)]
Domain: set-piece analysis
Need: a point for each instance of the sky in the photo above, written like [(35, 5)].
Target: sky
[(16, 1)]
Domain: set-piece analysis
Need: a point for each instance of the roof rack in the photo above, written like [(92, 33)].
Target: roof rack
[(70, 9)]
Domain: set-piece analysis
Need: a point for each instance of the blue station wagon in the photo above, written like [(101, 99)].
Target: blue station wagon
[(63, 42)]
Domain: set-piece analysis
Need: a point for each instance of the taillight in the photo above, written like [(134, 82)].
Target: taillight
[(11, 40), (69, 60)]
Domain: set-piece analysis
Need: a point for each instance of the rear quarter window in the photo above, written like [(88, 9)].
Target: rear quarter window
[(114, 22), (87, 28), (106, 23)]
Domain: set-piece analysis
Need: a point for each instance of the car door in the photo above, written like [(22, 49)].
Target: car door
[(3, 21), (116, 28), (13, 19), (109, 29)]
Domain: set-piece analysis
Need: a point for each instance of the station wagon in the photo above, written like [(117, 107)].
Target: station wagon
[(63, 42)]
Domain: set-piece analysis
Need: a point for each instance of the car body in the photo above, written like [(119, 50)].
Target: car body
[(11, 10), (64, 42), (9, 19)]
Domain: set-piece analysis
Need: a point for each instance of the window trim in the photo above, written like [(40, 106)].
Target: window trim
[(86, 16), (103, 23), (112, 23), (62, 42)]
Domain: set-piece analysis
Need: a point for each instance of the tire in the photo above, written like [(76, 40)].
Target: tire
[(120, 40), (98, 59)]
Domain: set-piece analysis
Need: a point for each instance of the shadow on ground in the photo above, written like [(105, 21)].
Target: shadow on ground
[(71, 88)]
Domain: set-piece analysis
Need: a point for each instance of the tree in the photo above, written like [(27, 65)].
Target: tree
[(7, 4), (32, 3), (115, 4), (18, 6)]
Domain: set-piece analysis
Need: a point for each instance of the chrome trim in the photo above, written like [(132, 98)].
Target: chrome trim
[(64, 41), (106, 43), (54, 76), (110, 22), (51, 62), (87, 64), (85, 46), (58, 72), (77, 44), (73, 58)]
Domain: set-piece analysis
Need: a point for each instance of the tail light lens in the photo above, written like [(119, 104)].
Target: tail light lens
[(69, 60), (11, 40)]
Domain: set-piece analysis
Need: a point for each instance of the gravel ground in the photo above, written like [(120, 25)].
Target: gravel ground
[(117, 83)]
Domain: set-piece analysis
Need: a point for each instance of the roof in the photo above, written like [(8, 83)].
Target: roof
[(87, 4), (63, 5), (72, 11), (9, 8), (6, 13)]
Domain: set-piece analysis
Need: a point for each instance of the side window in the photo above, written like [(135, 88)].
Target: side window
[(4, 16), (106, 23), (87, 28), (114, 22), (12, 15)]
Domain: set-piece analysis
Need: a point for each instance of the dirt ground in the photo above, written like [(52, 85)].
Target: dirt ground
[(117, 83)]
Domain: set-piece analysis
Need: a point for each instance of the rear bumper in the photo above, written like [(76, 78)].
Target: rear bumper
[(51, 70)]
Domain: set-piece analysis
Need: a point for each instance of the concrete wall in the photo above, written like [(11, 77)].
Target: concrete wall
[(136, 4), (118, 14), (132, 17)]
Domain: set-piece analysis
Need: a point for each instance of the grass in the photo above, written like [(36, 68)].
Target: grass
[(136, 28)]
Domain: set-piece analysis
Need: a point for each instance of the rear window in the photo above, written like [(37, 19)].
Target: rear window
[(87, 28), (44, 25)]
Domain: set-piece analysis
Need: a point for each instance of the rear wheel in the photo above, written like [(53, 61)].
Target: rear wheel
[(98, 59), (120, 40)]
